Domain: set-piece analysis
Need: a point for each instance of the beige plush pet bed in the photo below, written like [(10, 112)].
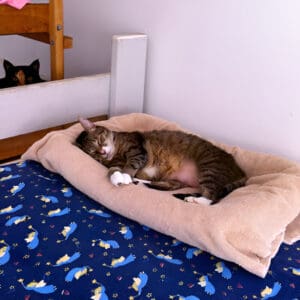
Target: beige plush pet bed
[(247, 227)]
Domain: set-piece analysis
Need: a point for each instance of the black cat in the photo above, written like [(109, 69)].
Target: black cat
[(20, 75)]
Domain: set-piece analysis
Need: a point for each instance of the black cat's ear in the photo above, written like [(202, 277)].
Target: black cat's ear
[(35, 65), (87, 124), (7, 65)]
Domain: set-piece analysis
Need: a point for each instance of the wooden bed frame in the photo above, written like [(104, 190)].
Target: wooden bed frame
[(29, 112), (42, 22)]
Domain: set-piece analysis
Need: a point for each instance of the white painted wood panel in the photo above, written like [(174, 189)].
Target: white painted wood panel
[(128, 68), (34, 107)]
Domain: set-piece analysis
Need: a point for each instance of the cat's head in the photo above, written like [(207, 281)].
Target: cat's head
[(21, 75), (97, 141)]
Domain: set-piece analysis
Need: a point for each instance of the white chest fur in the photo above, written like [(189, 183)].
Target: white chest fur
[(150, 171)]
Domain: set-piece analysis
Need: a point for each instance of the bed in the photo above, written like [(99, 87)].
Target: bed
[(57, 243), (60, 239), (41, 22)]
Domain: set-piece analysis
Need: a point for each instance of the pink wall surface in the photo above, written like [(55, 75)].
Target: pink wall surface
[(229, 70)]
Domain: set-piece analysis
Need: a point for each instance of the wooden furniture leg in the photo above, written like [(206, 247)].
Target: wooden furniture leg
[(56, 32)]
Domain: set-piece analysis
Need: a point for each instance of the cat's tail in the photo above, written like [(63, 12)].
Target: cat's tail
[(168, 185), (228, 188)]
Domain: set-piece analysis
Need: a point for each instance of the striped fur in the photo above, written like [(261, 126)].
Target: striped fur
[(169, 159)]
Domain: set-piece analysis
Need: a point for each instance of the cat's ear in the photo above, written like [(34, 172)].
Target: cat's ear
[(35, 65), (7, 65), (87, 124)]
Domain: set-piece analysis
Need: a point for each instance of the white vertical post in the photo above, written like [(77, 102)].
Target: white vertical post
[(128, 69)]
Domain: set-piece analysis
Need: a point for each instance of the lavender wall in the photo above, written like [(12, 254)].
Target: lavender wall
[(229, 70)]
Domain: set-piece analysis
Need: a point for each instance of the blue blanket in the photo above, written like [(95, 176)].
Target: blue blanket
[(56, 243)]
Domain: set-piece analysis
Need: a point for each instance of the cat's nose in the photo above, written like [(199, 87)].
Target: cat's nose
[(102, 151)]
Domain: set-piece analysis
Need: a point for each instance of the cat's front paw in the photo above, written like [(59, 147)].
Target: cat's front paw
[(117, 178)]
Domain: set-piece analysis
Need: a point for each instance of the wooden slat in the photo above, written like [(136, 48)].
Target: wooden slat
[(68, 42), (31, 18), (44, 37), (56, 33), (14, 147)]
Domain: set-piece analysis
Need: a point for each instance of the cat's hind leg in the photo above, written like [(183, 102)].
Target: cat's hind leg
[(182, 196), (193, 198), (198, 200)]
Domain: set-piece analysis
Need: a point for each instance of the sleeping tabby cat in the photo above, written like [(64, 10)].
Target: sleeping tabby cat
[(168, 159), (20, 75)]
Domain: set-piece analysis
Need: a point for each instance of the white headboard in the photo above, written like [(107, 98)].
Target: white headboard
[(128, 68)]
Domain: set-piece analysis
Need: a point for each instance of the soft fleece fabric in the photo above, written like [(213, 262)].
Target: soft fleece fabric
[(247, 227)]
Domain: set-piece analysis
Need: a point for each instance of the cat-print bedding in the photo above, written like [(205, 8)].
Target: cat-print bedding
[(247, 227), (57, 243)]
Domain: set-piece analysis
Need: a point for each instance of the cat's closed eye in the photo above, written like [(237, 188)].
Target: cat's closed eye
[(93, 151)]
